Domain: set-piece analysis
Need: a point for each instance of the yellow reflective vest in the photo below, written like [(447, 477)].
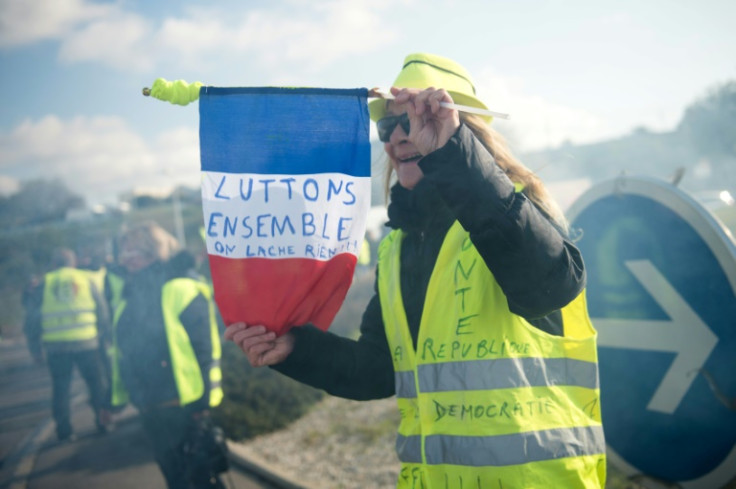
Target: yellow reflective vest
[(487, 400), (114, 284), (68, 310), (176, 295)]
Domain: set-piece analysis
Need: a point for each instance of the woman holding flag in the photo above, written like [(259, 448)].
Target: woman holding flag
[(479, 325)]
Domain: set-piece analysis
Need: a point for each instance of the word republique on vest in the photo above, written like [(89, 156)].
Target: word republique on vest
[(455, 348)]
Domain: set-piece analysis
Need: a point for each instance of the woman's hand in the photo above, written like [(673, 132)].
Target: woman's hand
[(261, 346), (431, 124)]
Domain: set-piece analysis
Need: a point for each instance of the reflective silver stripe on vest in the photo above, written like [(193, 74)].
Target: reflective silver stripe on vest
[(502, 450), (409, 448), (516, 449), (506, 373), (405, 386), (215, 384), (65, 327), (61, 314)]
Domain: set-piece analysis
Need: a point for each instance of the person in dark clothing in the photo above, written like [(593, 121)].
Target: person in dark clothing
[(66, 319), (478, 325), (166, 353), (92, 260)]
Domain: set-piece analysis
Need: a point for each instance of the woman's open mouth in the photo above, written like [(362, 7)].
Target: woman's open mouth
[(410, 158)]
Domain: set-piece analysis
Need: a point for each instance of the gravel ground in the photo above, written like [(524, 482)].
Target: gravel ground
[(339, 444)]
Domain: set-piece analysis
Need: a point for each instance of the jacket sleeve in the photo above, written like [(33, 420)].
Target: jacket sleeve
[(196, 321), (354, 369), (538, 269)]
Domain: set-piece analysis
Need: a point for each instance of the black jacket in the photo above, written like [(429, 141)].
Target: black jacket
[(145, 363), (537, 268)]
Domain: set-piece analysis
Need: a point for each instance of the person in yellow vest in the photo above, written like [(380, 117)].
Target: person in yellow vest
[(166, 354), (65, 323), (479, 326)]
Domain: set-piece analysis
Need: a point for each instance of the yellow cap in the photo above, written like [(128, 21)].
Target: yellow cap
[(422, 70)]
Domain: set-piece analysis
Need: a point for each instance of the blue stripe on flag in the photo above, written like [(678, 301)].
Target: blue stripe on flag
[(277, 130)]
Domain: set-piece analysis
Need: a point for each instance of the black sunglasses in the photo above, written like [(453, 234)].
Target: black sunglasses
[(387, 125)]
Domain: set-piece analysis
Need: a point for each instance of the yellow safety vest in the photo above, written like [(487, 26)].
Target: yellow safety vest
[(364, 257), (176, 295), (487, 400), (115, 284), (68, 310)]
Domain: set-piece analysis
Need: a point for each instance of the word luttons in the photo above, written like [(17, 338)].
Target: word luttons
[(289, 188)]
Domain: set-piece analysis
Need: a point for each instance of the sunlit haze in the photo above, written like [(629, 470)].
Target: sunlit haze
[(576, 71)]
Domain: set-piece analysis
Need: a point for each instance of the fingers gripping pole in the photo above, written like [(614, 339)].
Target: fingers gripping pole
[(177, 92), (386, 95)]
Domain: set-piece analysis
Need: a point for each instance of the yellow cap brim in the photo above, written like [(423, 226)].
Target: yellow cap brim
[(377, 107), (423, 70)]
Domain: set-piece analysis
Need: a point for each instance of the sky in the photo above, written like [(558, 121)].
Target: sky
[(72, 71)]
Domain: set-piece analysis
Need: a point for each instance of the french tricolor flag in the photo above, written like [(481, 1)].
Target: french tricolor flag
[(285, 194)]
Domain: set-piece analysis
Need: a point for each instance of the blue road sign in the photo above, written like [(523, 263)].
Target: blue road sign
[(662, 295)]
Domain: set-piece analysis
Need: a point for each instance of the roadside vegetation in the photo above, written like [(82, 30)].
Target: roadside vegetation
[(257, 401)]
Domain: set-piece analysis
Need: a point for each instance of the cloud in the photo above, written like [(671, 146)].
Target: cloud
[(336, 30), (26, 22), (302, 35), (308, 35), (8, 186), (99, 157), (535, 122), (120, 42)]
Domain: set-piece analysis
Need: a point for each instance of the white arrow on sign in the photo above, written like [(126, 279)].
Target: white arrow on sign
[(684, 333)]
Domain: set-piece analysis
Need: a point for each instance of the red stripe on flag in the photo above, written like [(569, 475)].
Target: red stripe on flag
[(280, 294)]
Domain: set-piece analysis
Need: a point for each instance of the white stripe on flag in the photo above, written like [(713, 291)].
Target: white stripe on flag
[(312, 216)]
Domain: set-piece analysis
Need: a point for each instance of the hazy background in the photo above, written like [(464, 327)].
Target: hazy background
[(594, 89), (576, 77)]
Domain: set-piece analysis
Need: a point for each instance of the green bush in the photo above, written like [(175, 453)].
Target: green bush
[(258, 400)]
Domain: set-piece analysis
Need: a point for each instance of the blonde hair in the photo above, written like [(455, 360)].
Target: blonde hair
[(519, 174), (150, 240)]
